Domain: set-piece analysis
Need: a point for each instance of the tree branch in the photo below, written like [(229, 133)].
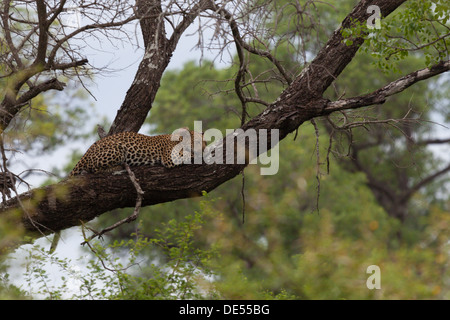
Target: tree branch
[(8, 38), (188, 19), (27, 57), (99, 26), (141, 94), (379, 96), (54, 84), (43, 33), (137, 207), (424, 182), (432, 141)]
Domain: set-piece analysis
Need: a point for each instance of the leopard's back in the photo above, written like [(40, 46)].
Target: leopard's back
[(134, 149)]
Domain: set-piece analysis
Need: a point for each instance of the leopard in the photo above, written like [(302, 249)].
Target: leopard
[(110, 153)]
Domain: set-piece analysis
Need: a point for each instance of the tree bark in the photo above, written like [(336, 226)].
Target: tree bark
[(65, 204), (139, 98)]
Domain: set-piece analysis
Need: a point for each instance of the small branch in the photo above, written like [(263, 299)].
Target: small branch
[(246, 46), (347, 126), (131, 218), (137, 187), (424, 182), (416, 47), (240, 47), (73, 64), (94, 251), (54, 84), (7, 36), (187, 21), (316, 130), (242, 68), (101, 131), (57, 12), (60, 42), (432, 141)]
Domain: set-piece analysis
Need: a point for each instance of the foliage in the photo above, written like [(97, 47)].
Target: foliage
[(116, 271), (420, 27)]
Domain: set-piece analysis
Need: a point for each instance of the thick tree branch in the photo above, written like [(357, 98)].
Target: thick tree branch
[(43, 33), (89, 196)]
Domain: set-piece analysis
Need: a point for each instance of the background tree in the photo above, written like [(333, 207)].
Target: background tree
[(365, 142)]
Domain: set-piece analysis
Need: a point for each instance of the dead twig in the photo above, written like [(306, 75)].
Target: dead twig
[(316, 129), (129, 219)]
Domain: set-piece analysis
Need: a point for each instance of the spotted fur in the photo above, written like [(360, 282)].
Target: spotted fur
[(110, 153)]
